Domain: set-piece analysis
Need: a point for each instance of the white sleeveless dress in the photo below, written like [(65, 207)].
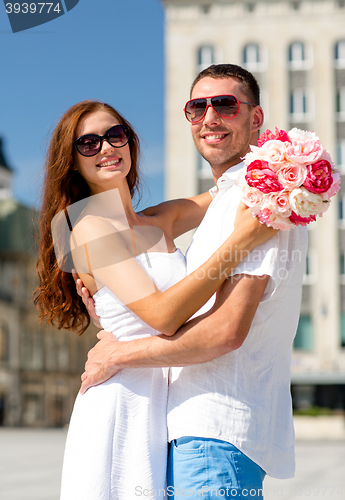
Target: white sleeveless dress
[(116, 445)]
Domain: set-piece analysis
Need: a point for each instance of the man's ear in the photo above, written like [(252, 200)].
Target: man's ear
[(258, 118)]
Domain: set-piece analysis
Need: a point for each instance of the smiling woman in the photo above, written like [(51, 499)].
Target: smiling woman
[(63, 186), (104, 160)]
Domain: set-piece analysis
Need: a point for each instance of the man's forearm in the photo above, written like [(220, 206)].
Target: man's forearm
[(186, 347), (195, 342), (220, 330)]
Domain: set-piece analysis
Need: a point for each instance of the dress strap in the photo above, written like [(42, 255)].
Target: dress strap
[(88, 258), (134, 243)]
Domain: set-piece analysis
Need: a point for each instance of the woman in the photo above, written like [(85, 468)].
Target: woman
[(128, 261)]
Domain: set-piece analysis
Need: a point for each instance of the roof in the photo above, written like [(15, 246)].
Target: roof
[(3, 161)]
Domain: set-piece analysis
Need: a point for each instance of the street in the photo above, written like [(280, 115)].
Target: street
[(31, 459)]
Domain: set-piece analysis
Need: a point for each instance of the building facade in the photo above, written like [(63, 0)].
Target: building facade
[(296, 50), (40, 367)]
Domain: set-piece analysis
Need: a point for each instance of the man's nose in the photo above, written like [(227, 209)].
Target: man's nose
[(211, 117)]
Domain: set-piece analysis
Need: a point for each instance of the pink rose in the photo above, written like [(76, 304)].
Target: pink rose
[(305, 146), (252, 198), (272, 152), (280, 135), (319, 177), (266, 216), (336, 176), (326, 156), (292, 175), (279, 203), (260, 176), (301, 221)]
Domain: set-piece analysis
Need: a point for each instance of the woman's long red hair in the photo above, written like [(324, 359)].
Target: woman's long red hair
[(56, 297)]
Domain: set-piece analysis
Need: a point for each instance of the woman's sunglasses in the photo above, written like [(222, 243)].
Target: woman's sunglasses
[(226, 106), (91, 144)]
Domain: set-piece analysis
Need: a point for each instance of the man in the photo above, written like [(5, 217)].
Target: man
[(229, 408)]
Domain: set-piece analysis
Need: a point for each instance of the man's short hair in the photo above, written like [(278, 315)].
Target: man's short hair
[(250, 85)]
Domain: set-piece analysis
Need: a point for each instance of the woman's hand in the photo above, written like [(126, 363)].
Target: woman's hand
[(247, 224), (84, 293)]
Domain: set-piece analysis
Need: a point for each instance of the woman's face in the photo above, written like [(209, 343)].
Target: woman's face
[(108, 168)]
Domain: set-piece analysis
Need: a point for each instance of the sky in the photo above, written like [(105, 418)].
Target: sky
[(112, 50)]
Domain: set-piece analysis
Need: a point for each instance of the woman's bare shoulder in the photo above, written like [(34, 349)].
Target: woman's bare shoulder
[(91, 226)]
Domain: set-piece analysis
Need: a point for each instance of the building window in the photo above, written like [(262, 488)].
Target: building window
[(249, 6), (205, 9), (341, 206), (4, 347), (252, 57), (342, 330), (205, 171), (205, 57), (310, 274), (341, 157), (299, 56), (340, 104), (297, 52), (342, 264), (300, 105), (33, 409), (296, 5), (298, 102), (339, 54), (304, 334)]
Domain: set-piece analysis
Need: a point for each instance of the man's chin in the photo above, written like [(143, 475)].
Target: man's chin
[(217, 161)]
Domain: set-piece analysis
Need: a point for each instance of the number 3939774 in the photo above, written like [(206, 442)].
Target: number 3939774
[(33, 8)]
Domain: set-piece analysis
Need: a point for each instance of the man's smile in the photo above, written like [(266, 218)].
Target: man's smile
[(214, 137)]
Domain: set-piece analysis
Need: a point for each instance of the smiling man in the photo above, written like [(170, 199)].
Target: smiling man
[(224, 142), (229, 407)]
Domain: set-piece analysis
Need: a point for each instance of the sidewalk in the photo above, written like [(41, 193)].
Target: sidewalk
[(320, 473), (31, 459), (30, 463)]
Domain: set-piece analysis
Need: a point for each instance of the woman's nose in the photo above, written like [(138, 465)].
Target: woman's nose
[(106, 147)]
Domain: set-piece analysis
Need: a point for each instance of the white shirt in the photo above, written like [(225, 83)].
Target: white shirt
[(243, 397)]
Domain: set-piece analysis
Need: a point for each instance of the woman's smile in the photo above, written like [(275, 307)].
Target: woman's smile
[(109, 163)]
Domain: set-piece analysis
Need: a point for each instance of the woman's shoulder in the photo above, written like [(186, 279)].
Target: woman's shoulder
[(93, 222), (93, 227)]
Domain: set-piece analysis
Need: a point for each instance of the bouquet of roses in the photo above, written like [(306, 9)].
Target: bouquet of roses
[(289, 179)]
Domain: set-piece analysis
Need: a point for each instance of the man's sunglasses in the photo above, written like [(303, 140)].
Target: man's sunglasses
[(91, 144), (226, 106)]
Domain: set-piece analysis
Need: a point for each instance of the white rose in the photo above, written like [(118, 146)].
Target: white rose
[(305, 203), (305, 135)]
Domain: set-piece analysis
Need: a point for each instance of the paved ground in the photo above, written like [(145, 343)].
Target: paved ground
[(30, 468), (320, 474)]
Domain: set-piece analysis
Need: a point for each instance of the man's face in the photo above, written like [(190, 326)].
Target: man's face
[(224, 141)]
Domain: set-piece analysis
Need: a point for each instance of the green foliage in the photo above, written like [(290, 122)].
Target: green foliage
[(313, 411)]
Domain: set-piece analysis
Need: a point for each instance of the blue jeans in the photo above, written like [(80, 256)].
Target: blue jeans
[(211, 469)]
